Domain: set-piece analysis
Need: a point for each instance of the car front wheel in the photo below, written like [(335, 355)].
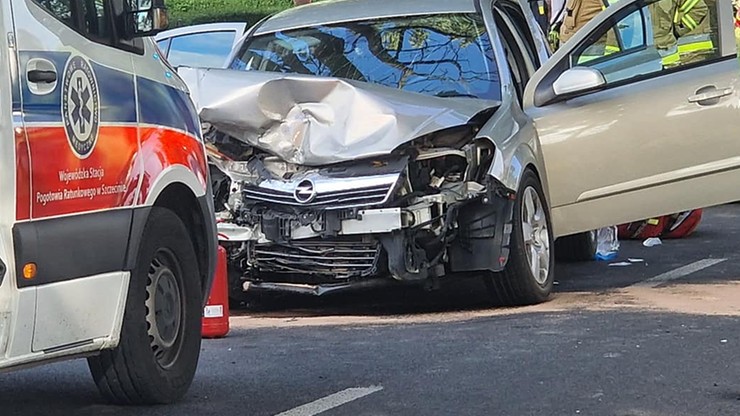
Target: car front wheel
[(529, 273)]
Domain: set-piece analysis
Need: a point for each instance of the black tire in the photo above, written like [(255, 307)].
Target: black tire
[(159, 348), (577, 247), (517, 285)]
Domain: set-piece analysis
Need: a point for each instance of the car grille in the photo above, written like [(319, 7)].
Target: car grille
[(331, 200), (338, 259)]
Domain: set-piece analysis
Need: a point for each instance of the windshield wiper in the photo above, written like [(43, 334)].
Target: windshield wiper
[(453, 93)]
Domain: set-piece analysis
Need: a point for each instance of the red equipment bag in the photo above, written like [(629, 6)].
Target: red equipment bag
[(641, 230), (678, 225), (682, 224)]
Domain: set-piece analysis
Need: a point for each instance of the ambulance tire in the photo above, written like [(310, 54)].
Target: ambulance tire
[(158, 353), (577, 247), (518, 285)]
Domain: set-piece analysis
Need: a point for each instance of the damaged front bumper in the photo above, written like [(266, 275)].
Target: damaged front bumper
[(365, 221), (321, 230)]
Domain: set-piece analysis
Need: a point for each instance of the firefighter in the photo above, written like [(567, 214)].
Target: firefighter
[(682, 30), (557, 11), (577, 14), (574, 15)]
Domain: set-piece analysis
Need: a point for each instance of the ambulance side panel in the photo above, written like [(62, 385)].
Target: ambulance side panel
[(17, 310), (74, 182), (112, 136)]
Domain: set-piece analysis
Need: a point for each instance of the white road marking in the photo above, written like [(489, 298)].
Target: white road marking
[(331, 401), (679, 273)]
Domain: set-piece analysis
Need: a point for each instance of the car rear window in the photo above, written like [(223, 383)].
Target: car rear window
[(441, 55)]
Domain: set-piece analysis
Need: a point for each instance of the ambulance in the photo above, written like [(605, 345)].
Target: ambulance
[(107, 230)]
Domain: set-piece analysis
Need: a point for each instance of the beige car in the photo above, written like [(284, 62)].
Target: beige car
[(366, 142), (625, 139)]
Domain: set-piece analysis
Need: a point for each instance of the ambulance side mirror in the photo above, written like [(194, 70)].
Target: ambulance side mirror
[(578, 79), (149, 18)]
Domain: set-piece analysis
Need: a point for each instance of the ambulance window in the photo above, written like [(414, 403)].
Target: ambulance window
[(97, 24), (87, 17), (61, 9)]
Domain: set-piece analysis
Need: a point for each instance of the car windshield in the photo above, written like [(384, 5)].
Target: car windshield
[(442, 55)]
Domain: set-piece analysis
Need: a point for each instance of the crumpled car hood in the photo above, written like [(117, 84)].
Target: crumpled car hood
[(315, 121)]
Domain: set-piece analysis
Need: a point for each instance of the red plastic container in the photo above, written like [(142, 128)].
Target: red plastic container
[(216, 312)]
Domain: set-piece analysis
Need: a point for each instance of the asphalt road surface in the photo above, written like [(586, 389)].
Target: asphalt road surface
[(658, 337)]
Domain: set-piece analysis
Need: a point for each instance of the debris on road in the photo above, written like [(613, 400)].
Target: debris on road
[(607, 243), (652, 242), (620, 264)]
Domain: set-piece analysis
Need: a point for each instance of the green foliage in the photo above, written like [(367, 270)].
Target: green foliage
[(189, 12)]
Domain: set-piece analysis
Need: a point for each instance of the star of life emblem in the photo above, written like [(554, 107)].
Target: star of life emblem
[(80, 106)]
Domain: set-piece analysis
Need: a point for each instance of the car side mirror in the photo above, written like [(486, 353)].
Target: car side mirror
[(578, 79), (146, 18)]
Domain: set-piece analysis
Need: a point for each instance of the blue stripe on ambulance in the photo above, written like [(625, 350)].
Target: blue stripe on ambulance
[(116, 91), (163, 105), (160, 104)]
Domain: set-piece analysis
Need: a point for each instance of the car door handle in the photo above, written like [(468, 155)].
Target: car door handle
[(710, 95), (38, 76)]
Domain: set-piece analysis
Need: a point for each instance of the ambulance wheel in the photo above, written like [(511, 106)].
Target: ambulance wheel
[(159, 347), (529, 273), (578, 247)]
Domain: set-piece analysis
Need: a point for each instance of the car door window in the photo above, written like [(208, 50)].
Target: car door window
[(164, 46), (661, 36), (203, 50), (515, 58), (516, 17)]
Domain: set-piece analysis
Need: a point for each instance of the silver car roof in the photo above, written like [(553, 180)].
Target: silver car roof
[(334, 11)]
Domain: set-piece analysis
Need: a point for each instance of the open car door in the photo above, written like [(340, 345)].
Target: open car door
[(628, 132)]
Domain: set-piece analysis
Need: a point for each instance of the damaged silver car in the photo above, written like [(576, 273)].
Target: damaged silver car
[(355, 143)]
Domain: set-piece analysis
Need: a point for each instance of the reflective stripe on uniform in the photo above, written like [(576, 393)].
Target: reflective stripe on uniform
[(686, 7), (689, 22), (695, 47), (682, 15), (695, 43), (671, 59), (670, 56)]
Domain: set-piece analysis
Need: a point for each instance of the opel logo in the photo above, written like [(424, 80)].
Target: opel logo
[(304, 192)]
